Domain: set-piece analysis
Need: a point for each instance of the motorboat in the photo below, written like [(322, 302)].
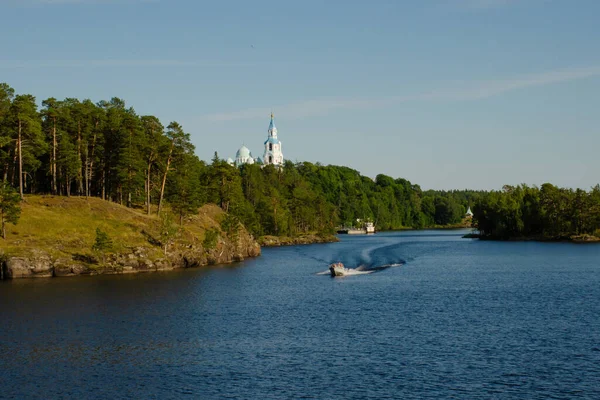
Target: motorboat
[(337, 269)]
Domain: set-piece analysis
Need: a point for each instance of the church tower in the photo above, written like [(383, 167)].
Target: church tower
[(273, 154)]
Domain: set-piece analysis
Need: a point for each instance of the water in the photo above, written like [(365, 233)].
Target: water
[(453, 318)]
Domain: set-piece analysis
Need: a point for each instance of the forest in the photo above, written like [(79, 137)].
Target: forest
[(548, 213), (105, 149)]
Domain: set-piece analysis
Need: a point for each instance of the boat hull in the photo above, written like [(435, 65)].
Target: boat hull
[(337, 269)]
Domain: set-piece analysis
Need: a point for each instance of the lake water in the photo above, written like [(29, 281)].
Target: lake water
[(454, 318)]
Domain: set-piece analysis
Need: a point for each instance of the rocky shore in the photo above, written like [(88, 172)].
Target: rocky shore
[(55, 237), (570, 239), (274, 241), (40, 264)]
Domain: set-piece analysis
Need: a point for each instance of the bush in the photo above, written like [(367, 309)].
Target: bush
[(231, 225), (210, 239), (103, 242)]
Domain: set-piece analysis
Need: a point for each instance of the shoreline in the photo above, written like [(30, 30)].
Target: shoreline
[(56, 237), (578, 239), (278, 241)]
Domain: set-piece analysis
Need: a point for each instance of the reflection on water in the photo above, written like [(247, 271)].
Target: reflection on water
[(441, 317)]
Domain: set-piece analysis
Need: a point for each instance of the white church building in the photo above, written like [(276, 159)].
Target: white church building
[(271, 155)]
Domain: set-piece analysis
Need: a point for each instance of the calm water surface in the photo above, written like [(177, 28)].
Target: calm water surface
[(457, 319)]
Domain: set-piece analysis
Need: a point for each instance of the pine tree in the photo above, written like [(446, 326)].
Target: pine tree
[(130, 167), (179, 144), (50, 125), (102, 244), (184, 193), (68, 162), (168, 230), (6, 96), (10, 209), (154, 140), (24, 121)]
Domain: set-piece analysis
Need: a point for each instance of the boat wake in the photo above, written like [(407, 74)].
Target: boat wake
[(363, 269), (373, 254)]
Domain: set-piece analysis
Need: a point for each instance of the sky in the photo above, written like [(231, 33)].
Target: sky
[(449, 94)]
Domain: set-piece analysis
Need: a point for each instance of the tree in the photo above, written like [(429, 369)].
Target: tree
[(224, 184), (168, 230), (6, 96), (10, 209), (50, 115), (180, 142), (131, 164), (27, 131), (68, 163), (153, 138), (184, 193), (103, 243)]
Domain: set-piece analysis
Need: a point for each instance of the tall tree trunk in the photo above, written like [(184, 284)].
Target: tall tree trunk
[(91, 163), (79, 173), (103, 184), (164, 181), (85, 174), (53, 166), (148, 188), (19, 145), (275, 219), (13, 178)]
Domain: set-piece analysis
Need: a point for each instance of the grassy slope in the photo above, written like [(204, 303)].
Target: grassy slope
[(65, 226)]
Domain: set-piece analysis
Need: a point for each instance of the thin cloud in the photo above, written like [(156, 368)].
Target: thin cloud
[(302, 109), (485, 4), (113, 63), (66, 2), (467, 92), (482, 90)]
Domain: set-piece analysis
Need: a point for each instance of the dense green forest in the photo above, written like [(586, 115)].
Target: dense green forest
[(105, 149), (548, 212)]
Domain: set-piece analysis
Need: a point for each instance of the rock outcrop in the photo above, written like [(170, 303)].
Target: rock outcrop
[(41, 265), (37, 265), (64, 247), (273, 241)]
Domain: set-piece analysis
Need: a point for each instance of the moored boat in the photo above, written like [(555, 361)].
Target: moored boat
[(367, 227)]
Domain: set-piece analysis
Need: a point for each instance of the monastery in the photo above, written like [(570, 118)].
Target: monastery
[(271, 155)]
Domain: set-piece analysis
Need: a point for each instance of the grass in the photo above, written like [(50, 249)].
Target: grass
[(66, 226)]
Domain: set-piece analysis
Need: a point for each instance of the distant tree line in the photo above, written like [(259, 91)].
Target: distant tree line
[(547, 212)]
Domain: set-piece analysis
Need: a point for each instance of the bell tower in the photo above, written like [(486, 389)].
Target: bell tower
[(273, 154)]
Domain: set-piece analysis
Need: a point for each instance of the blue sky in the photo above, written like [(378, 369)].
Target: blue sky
[(445, 93)]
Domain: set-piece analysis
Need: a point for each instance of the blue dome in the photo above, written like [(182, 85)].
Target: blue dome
[(243, 152), (272, 140)]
